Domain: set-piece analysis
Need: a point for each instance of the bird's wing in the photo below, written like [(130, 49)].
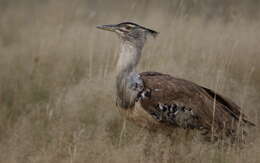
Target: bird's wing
[(185, 104)]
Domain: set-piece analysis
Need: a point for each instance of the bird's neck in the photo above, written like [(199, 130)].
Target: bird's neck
[(126, 75), (129, 56)]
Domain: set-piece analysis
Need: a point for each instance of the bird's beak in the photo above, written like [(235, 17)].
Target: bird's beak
[(111, 27)]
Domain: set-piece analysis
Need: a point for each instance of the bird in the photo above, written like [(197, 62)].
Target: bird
[(156, 100)]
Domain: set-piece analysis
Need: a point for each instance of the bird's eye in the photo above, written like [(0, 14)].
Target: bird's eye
[(128, 27)]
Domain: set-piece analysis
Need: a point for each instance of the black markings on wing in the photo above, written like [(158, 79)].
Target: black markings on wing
[(173, 114), (176, 115), (143, 94)]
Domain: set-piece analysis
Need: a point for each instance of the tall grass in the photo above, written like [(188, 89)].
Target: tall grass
[(57, 78)]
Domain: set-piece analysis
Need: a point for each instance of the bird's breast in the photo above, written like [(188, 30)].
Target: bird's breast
[(139, 116)]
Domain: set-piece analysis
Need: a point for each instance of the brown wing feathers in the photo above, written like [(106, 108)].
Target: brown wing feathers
[(194, 105), (229, 106)]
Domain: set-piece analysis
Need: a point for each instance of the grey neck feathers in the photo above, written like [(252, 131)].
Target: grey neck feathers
[(129, 57)]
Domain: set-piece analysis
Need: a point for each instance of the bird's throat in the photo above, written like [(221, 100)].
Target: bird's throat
[(129, 56)]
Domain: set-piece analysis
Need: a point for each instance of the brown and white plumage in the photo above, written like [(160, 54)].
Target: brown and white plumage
[(155, 100)]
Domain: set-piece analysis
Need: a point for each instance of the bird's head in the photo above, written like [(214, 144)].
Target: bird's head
[(130, 31)]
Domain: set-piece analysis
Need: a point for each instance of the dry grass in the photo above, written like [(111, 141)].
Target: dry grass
[(57, 80)]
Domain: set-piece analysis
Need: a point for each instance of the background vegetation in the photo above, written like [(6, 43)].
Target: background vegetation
[(57, 76)]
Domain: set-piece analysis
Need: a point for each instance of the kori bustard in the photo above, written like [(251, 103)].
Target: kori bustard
[(156, 100)]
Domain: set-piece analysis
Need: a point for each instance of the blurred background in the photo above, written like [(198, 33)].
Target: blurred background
[(57, 75)]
